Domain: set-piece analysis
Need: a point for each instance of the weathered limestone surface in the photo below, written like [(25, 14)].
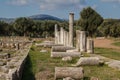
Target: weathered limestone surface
[(65, 54), (68, 78), (78, 40), (94, 78), (61, 48), (4, 56), (67, 39), (13, 63), (114, 64), (83, 41), (56, 34), (61, 35), (58, 37), (52, 42), (16, 73), (43, 51), (76, 73), (72, 50), (71, 22), (90, 46), (68, 58), (88, 61), (47, 44), (64, 38)]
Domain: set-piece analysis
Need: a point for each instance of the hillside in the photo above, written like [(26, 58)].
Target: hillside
[(34, 17)]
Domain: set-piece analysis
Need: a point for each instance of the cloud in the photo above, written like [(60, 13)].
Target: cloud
[(94, 6), (56, 4), (51, 4), (118, 1), (18, 2)]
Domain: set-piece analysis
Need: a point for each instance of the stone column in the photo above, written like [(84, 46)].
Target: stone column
[(71, 22), (56, 34), (64, 36), (61, 35), (17, 46), (14, 45), (58, 37), (90, 46), (78, 40), (2, 44), (67, 38), (83, 41)]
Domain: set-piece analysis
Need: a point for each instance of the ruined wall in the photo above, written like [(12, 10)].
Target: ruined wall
[(12, 64)]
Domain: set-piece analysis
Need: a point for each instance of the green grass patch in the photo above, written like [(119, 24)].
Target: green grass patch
[(116, 44), (40, 62), (103, 73), (40, 66), (86, 54), (110, 53)]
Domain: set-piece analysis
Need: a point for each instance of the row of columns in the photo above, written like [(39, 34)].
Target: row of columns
[(61, 37), (84, 44), (66, 38)]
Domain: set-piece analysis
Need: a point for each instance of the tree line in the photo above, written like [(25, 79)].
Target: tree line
[(30, 28), (95, 25), (89, 21)]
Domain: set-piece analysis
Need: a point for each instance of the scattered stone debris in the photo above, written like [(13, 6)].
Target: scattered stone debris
[(114, 64), (88, 61), (73, 72), (94, 78), (68, 78), (44, 51), (68, 58), (13, 57), (65, 54)]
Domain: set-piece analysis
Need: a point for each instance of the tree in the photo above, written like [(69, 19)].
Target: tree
[(89, 21), (110, 28), (23, 25), (4, 28)]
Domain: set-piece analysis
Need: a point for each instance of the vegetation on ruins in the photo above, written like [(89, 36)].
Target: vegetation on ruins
[(89, 21)]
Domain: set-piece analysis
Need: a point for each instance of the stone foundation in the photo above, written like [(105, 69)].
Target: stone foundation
[(12, 63)]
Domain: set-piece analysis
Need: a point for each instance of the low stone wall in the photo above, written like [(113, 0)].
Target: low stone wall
[(12, 69)]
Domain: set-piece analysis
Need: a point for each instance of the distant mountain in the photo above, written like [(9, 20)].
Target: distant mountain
[(8, 20), (44, 17), (34, 17)]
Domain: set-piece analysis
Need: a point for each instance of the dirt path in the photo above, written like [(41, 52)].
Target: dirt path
[(105, 43)]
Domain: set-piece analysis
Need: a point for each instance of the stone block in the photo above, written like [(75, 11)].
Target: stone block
[(88, 61), (76, 73)]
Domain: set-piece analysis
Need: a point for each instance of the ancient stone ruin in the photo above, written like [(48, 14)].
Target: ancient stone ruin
[(65, 39), (76, 73), (13, 54), (64, 48)]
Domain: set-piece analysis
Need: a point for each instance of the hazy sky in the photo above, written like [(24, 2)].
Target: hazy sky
[(58, 8)]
